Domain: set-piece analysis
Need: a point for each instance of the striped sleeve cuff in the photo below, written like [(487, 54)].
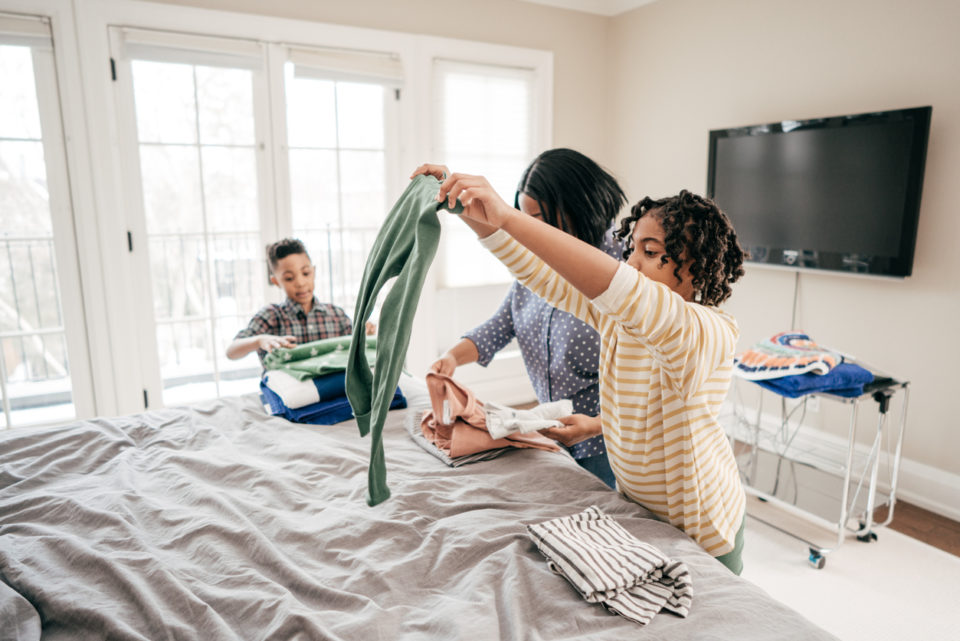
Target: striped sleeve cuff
[(497, 241), (623, 284)]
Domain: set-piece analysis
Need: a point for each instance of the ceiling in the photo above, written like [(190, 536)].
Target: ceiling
[(599, 7)]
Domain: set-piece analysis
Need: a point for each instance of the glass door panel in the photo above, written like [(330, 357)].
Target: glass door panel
[(199, 178), (36, 385)]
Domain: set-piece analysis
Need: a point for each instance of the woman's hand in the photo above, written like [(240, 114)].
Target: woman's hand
[(370, 328), (446, 365), (576, 428), (440, 172), (269, 342)]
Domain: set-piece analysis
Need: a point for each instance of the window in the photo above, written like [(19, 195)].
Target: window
[(197, 151), (208, 203), (340, 116), (493, 137), (37, 255)]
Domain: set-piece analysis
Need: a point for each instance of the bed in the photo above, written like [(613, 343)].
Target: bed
[(218, 521)]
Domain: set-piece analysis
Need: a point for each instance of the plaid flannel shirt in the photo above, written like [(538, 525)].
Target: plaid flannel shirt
[(288, 319)]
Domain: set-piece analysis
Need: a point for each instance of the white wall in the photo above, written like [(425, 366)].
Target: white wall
[(683, 67)]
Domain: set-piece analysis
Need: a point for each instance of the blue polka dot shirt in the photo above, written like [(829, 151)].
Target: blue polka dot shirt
[(560, 352)]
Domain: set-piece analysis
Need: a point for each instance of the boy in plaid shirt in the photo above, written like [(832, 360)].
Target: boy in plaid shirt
[(299, 319)]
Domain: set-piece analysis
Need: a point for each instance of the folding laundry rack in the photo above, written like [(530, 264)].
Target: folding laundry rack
[(784, 444)]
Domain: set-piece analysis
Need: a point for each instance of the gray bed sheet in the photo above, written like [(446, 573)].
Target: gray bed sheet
[(220, 522)]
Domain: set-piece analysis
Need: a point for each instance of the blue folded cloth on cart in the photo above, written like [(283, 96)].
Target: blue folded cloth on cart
[(845, 379)]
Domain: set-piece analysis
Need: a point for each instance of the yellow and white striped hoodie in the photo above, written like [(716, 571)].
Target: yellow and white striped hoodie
[(665, 368)]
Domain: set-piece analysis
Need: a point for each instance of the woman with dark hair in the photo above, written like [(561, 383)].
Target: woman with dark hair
[(571, 192)]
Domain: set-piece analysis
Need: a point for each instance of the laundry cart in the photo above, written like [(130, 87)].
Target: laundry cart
[(795, 475)]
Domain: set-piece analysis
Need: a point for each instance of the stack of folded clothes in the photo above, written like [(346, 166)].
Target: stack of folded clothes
[(305, 384), (792, 365), (456, 427)]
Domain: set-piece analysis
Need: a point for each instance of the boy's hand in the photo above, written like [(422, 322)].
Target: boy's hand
[(576, 428), (269, 342), (370, 328)]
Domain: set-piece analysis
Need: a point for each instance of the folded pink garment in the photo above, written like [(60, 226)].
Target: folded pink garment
[(465, 429)]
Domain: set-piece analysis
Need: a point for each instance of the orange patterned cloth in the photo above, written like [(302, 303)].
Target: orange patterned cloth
[(457, 422), (785, 354)]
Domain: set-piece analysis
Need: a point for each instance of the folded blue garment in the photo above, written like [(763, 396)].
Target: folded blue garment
[(327, 412), (845, 379), (331, 386)]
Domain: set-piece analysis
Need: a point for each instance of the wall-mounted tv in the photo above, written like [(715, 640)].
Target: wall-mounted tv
[(839, 194)]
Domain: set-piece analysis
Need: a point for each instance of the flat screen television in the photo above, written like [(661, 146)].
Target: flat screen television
[(839, 194)]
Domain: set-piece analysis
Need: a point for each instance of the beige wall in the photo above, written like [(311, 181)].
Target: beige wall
[(683, 67)]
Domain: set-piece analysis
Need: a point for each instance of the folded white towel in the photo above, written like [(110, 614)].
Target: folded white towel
[(293, 392), (503, 421), (610, 566)]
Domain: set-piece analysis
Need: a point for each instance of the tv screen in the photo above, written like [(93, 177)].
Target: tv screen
[(839, 193)]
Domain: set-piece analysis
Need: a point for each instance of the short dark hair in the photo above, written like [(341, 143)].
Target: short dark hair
[(566, 183), (695, 226), (282, 248)]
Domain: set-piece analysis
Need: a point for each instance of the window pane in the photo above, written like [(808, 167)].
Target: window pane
[(19, 116), (311, 112), (201, 199), (171, 189), (499, 122), (230, 189), (225, 99), (24, 201), (34, 366), (313, 188), (178, 268), (360, 115), (166, 102), (492, 138), (362, 182)]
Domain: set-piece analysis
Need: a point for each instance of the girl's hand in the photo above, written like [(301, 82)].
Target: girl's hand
[(576, 428), (269, 342), (445, 365), (481, 203), (370, 328)]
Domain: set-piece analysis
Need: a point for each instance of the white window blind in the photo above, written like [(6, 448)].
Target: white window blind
[(347, 65), (485, 126), (184, 48)]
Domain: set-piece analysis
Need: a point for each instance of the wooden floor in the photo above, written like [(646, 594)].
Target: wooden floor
[(924, 525)]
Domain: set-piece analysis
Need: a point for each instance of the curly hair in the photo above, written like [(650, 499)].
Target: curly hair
[(699, 231)]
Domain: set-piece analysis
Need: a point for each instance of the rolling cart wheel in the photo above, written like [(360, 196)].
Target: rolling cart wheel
[(816, 559), (869, 536)]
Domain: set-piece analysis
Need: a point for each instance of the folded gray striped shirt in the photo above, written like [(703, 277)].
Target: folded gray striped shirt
[(610, 566)]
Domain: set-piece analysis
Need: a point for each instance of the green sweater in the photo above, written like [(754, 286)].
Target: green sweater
[(404, 248)]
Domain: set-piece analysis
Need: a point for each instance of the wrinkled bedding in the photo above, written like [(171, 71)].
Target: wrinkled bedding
[(220, 522)]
